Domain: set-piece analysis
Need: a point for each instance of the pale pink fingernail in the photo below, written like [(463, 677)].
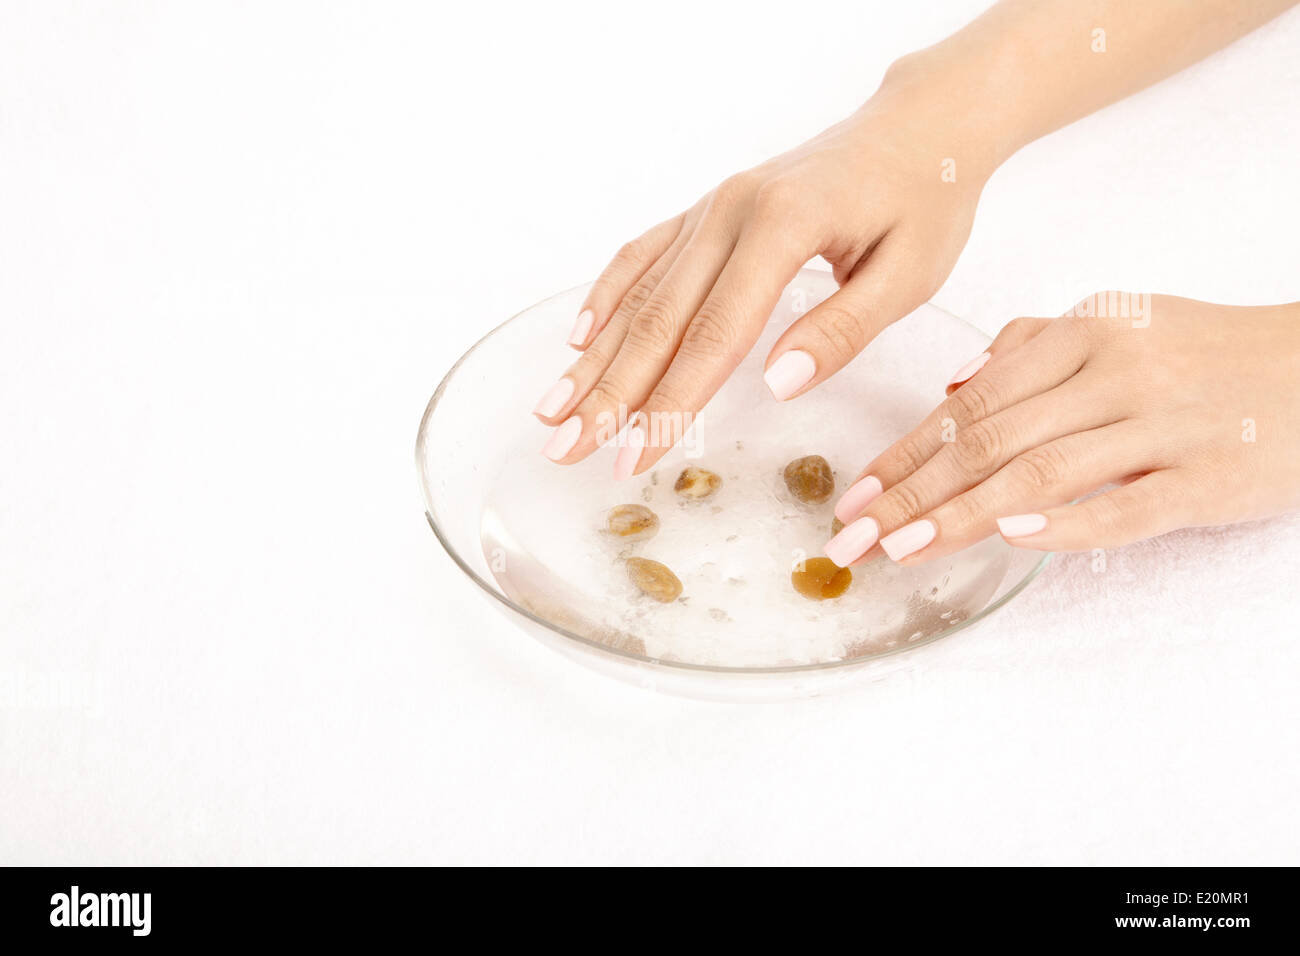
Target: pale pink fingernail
[(791, 372), (563, 439), (582, 328), (968, 370), (629, 454), (556, 397), (860, 494), (1017, 526), (908, 539), (853, 541)]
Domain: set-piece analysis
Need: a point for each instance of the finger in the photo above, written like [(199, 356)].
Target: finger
[(573, 385), (721, 334), (1016, 332), (826, 339), (1044, 476), (978, 451), (1154, 504), (628, 265), (651, 340), (982, 448), (1035, 366)]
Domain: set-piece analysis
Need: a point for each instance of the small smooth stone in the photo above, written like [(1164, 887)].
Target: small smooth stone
[(697, 483), (654, 579), (821, 579), (809, 479), (632, 522)]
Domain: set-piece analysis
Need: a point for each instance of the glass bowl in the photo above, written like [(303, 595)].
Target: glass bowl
[(530, 534)]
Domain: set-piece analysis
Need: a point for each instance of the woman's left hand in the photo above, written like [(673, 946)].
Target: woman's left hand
[(1191, 409)]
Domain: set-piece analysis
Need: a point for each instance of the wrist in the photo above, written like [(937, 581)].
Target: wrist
[(965, 94)]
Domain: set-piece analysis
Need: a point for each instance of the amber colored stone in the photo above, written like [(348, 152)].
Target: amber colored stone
[(809, 479), (821, 579), (654, 579)]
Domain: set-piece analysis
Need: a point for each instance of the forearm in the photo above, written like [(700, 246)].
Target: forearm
[(1027, 67)]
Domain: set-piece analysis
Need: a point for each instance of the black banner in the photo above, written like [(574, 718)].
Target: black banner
[(138, 907)]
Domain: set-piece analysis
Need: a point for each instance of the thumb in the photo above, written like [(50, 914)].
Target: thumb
[(822, 342)]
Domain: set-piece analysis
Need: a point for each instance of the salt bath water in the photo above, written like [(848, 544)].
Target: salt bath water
[(545, 537), (538, 534)]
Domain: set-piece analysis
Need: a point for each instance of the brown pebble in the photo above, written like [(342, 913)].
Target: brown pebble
[(654, 579), (836, 526), (809, 479), (632, 522), (697, 483), (821, 579)]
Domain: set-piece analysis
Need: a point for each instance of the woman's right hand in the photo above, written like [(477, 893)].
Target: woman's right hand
[(886, 196), (1187, 408)]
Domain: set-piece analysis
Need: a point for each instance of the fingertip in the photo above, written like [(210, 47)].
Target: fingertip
[(967, 372), (563, 439), (853, 542), (629, 453), (908, 539), (555, 399), (582, 329), (1020, 526), (860, 494), (789, 373)]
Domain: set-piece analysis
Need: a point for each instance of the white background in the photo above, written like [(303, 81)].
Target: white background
[(239, 246)]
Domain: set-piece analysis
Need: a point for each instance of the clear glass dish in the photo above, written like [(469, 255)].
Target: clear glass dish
[(530, 533)]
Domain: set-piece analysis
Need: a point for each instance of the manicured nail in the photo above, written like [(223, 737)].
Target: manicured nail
[(1017, 526), (908, 539), (791, 372), (967, 371), (556, 397), (853, 541), (860, 494), (629, 454), (582, 328), (563, 439)]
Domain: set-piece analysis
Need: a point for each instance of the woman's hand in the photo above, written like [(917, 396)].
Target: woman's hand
[(887, 197), (1191, 409)]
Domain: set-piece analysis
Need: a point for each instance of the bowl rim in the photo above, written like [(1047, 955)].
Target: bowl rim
[(644, 659)]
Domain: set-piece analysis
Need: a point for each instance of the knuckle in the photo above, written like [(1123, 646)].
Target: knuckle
[(839, 331), (1083, 327), (711, 335), (736, 189), (979, 447), (633, 252), (777, 198), (667, 399), (974, 401), (962, 514), (594, 361), (1022, 327), (1042, 468), (1079, 336), (634, 299), (909, 454), (654, 329), (902, 503), (637, 296), (604, 394)]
